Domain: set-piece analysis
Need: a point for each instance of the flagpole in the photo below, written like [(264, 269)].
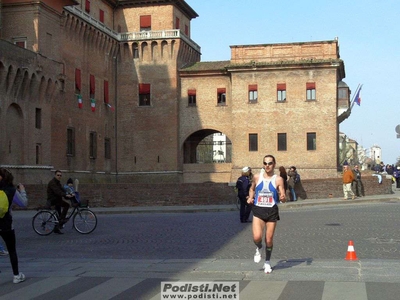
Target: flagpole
[(357, 91)]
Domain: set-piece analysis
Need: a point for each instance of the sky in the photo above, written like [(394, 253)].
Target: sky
[(369, 44)]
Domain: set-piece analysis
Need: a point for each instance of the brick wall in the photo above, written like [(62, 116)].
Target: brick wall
[(124, 194)]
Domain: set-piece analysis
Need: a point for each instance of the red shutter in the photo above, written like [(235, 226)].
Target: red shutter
[(101, 16), (281, 87), (252, 87), (144, 88), (78, 79), (177, 23), (106, 97), (92, 85), (310, 85), (191, 92), (87, 6), (187, 30), (145, 21), (221, 90)]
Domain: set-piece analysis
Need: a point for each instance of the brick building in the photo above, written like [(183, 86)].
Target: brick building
[(114, 90)]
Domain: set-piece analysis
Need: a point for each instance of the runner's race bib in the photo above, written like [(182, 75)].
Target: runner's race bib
[(265, 199)]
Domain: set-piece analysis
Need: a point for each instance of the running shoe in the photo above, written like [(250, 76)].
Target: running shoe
[(3, 252), (257, 256), (19, 278), (267, 267)]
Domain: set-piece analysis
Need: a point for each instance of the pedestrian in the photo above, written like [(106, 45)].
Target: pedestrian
[(7, 231), (55, 194), (348, 179), (283, 174), (266, 191), (3, 252), (357, 183), (293, 178), (243, 186)]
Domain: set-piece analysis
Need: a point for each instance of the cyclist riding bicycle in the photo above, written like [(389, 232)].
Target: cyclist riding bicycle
[(55, 195)]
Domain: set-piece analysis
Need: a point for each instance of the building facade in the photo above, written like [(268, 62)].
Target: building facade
[(112, 90)]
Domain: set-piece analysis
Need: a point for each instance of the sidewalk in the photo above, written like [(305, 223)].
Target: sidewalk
[(216, 208)]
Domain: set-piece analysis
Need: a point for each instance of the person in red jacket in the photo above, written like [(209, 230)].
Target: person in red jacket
[(348, 179)]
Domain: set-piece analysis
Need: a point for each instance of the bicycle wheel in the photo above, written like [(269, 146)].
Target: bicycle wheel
[(44, 222), (85, 221)]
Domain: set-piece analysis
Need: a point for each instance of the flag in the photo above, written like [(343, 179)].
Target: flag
[(357, 98), (80, 103), (93, 104), (111, 108)]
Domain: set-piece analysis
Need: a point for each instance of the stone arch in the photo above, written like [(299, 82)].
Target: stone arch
[(33, 88), (16, 85), (164, 49), (9, 78), (155, 54), (25, 86), (145, 51), (135, 50), (126, 51), (49, 90), (202, 147), (42, 89), (14, 143), (172, 49)]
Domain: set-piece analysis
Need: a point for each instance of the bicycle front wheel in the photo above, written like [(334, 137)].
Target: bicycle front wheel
[(44, 222), (85, 221)]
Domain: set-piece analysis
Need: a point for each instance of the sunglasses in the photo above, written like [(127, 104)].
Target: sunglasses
[(269, 163)]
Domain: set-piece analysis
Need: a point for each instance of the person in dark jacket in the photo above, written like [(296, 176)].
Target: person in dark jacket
[(55, 194), (243, 185), (7, 231)]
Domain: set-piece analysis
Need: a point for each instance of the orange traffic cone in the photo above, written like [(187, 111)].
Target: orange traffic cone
[(351, 253)]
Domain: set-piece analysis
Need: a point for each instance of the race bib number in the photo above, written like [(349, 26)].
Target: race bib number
[(265, 199)]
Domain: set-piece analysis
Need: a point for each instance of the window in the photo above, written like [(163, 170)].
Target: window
[(144, 94), (221, 96), (106, 94), (281, 88), (310, 86), (253, 94), (253, 142), (135, 50), (107, 148), (21, 44), (177, 23), (93, 145), (70, 142), (145, 23), (311, 141), (101, 13), (38, 154), (282, 146), (92, 86), (187, 30), (87, 6), (191, 97), (78, 81), (38, 118)]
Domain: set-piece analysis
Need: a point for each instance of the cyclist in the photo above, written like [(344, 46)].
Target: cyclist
[(55, 194)]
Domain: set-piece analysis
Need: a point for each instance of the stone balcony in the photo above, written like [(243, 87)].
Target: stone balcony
[(132, 36)]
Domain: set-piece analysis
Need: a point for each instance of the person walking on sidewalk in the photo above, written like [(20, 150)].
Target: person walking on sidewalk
[(348, 179), (243, 186), (357, 183), (7, 231), (266, 191)]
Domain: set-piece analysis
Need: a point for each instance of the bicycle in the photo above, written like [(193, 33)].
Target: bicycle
[(46, 220)]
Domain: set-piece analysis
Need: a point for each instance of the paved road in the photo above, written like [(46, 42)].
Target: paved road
[(130, 254)]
